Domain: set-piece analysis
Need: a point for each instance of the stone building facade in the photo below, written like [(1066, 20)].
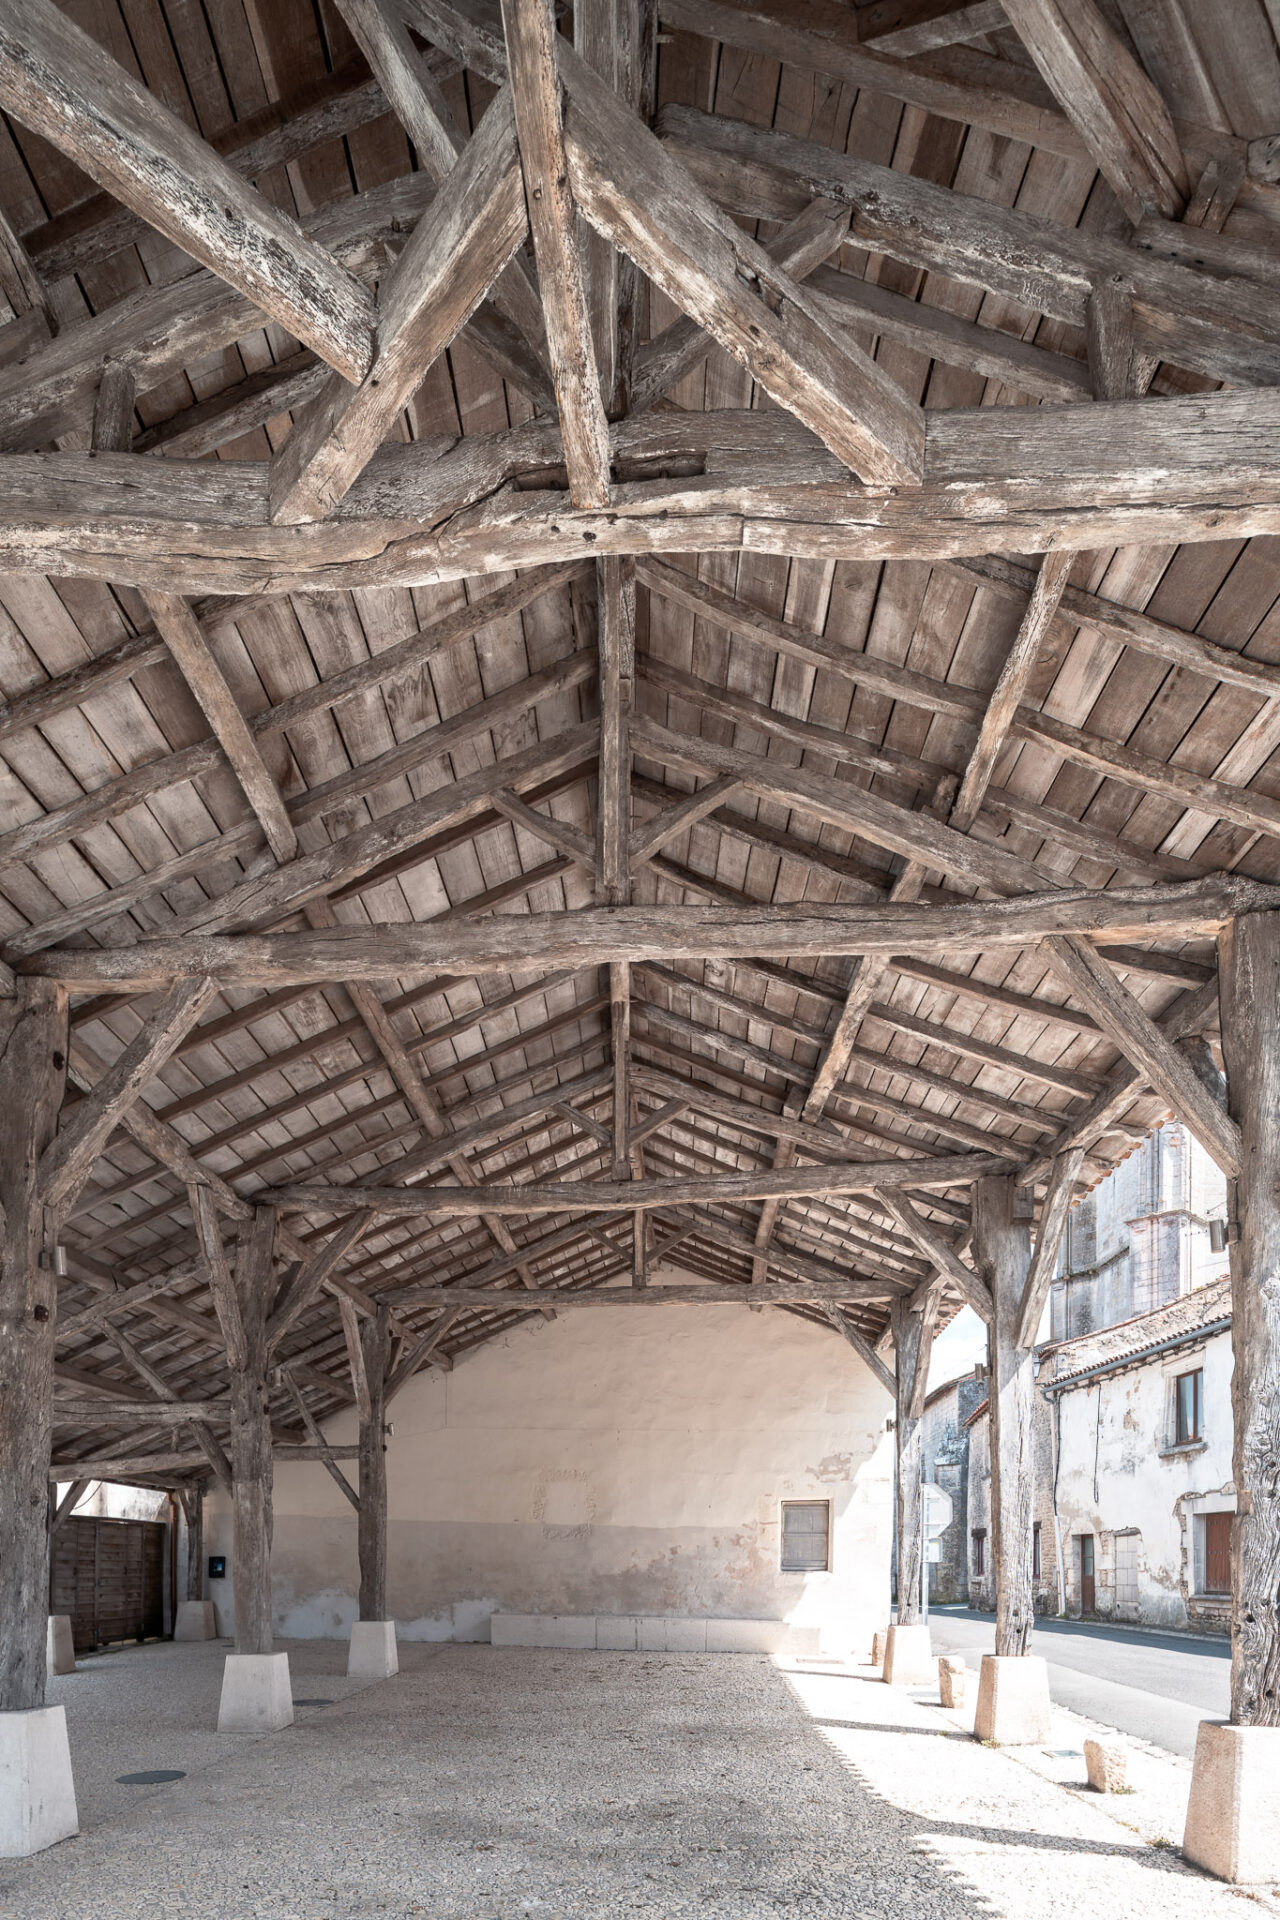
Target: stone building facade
[(1143, 1237), (1142, 1420)]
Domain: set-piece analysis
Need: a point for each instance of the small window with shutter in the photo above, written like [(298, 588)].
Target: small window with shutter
[(806, 1536)]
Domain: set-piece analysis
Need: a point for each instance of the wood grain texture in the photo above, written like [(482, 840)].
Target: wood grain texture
[(936, 1246), (454, 255), (1143, 1043), (33, 1041), (1110, 100), (635, 193), (591, 936), (62, 84), (1250, 996), (372, 1524), (1002, 1252), (67, 1161), (529, 29), (251, 1441), (998, 480), (1008, 692), (607, 1196), (909, 1335)]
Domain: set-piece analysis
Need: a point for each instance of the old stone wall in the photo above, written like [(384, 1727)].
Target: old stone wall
[(612, 1461), (1142, 1499), (1141, 1238)]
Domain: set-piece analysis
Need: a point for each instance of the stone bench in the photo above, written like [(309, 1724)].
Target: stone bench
[(650, 1633)]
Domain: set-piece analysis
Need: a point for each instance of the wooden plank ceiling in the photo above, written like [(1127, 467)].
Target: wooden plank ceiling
[(773, 626)]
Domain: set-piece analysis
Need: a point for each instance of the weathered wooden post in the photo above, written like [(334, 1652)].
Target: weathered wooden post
[(1233, 1813), (1013, 1688), (256, 1695), (194, 1617), (907, 1658), (373, 1636), (37, 1797)]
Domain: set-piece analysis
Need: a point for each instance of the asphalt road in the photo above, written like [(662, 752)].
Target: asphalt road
[(1155, 1686)]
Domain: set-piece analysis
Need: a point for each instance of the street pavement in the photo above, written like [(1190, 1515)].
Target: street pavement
[(1155, 1686)]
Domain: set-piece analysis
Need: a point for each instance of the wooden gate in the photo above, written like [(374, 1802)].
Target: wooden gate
[(108, 1576)]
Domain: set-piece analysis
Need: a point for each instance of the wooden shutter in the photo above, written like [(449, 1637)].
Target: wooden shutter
[(806, 1530)]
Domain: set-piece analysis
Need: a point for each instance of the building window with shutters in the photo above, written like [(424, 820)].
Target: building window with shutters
[(979, 1555), (806, 1536), (1188, 1408)]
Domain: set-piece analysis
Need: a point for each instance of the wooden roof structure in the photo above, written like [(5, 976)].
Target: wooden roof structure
[(654, 643)]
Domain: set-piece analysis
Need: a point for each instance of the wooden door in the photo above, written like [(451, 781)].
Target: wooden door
[(108, 1577), (1088, 1592), (1217, 1553)]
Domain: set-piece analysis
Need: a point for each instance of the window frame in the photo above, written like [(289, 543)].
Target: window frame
[(1195, 1434), (978, 1551), (786, 1506), (1036, 1557)]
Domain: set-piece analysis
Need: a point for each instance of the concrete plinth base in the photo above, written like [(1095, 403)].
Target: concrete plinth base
[(1013, 1700), (37, 1793), (372, 1655), (908, 1657), (256, 1695), (1233, 1814), (60, 1654), (195, 1620)]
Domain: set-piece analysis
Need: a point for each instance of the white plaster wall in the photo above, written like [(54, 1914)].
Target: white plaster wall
[(105, 1500), (613, 1461), (1142, 1482)]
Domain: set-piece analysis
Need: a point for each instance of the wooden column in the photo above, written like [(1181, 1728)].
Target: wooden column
[(1002, 1254), (251, 1463), (192, 1499), (1250, 988), (372, 1524), (33, 1066), (907, 1336)]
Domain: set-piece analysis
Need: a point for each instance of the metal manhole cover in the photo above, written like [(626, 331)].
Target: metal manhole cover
[(151, 1777), (313, 1703)]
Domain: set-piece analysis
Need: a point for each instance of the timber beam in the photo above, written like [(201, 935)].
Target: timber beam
[(996, 480)]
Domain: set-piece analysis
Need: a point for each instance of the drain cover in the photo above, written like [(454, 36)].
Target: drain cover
[(313, 1703), (152, 1777)]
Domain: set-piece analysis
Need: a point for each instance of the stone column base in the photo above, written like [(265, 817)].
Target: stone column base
[(1013, 1700), (60, 1653), (953, 1680), (37, 1793), (256, 1695), (195, 1620), (373, 1655), (908, 1657), (1233, 1814)]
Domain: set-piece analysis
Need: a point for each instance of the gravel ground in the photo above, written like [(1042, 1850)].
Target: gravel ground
[(490, 1784)]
